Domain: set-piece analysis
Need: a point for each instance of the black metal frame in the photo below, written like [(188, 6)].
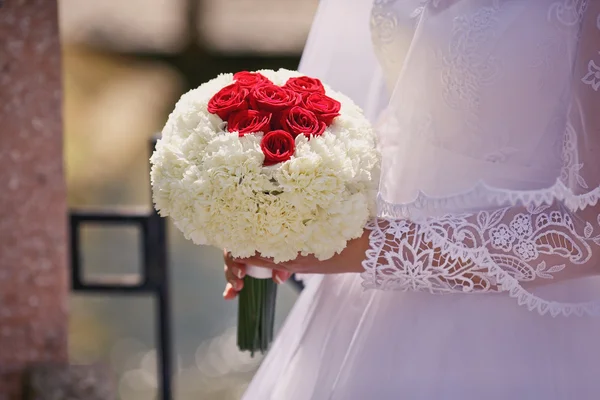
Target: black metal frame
[(154, 277)]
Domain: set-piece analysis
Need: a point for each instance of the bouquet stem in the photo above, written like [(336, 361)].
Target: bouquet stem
[(256, 314)]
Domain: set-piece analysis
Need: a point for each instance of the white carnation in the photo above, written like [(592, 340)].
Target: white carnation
[(214, 186)]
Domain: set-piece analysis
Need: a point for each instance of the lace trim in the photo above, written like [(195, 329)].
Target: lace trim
[(509, 284), (535, 303), (483, 193), (486, 251)]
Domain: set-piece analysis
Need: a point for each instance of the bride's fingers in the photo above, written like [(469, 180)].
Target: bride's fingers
[(236, 268), (230, 293), (233, 280), (281, 276)]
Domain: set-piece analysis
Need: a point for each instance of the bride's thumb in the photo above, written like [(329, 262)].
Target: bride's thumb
[(281, 276)]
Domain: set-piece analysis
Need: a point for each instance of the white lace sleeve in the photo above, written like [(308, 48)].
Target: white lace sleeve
[(502, 187), (511, 249)]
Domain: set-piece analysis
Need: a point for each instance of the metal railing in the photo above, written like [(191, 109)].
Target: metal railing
[(154, 277)]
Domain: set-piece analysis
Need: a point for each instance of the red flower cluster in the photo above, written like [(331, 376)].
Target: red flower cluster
[(254, 104)]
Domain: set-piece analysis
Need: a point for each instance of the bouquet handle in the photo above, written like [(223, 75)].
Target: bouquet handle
[(256, 310)]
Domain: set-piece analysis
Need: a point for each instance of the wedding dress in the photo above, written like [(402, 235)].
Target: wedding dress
[(482, 280)]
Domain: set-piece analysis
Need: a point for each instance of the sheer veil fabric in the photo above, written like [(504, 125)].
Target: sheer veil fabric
[(483, 272)]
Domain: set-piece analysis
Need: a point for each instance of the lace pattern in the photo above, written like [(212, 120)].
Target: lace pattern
[(567, 12), (466, 67), (401, 258), (499, 251), (592, 78)]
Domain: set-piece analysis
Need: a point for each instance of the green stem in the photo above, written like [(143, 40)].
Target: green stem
[(256, 314)]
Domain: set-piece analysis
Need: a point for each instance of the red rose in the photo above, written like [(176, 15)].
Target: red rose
[(273, 98), (277, 146), (305, 84), (298, 120), (227, 100), (249, 121), (249, 79), (324, 107)]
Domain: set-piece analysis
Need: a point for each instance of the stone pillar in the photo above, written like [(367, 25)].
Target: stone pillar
[(33, 217)]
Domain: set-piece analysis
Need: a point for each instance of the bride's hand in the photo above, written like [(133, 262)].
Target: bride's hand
[(235, 271), (349, 260)]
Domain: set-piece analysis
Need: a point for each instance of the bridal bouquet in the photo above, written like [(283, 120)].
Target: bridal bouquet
[(268, 162)]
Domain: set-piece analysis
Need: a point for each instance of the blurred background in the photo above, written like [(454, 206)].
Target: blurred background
[(126, 62)]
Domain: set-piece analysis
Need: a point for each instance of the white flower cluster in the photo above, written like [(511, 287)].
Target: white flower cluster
[(213, 184)]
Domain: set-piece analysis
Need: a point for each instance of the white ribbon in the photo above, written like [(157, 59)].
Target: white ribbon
[(259, 272)]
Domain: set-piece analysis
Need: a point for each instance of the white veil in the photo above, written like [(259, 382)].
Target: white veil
[(493, 119), (340, 52)]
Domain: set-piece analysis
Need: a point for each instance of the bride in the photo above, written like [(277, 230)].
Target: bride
[(480, 277)]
